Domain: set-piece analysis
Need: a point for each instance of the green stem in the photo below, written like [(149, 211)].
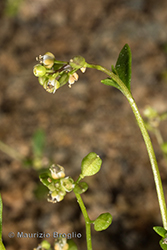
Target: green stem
[(87, 221), (150, 150)]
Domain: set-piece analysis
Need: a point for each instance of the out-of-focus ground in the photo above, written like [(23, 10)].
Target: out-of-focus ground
[(88, 117)]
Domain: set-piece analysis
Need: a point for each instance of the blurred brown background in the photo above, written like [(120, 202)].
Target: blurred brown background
[(88, 117)]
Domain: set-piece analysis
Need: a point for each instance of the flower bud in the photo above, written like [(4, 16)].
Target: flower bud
[(83, 69), (39, 70), (67, 183), (73, 78), (77, 62), (47, 60)]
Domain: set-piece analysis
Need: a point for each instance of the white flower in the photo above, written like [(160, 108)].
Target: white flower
[(47, 60), (57, 171), (72, 79), (83, 69), (51, 86)]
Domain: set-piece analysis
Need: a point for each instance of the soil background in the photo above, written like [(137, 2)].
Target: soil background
[(89, 117)]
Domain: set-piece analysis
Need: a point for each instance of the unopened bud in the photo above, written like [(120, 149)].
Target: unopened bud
[(67, 183), (47, 60), (39, 70)]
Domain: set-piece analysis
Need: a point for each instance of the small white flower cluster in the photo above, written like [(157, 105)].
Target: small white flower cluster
[(57, 183), (53, 74)]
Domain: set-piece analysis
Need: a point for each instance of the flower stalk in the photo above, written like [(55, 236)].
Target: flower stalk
[(87, 221)]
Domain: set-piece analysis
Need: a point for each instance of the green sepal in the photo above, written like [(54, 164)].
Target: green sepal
[(90, 164), (64, 77), (57, 66), (72, 245), (43, 80), (44, 178), (81, 188), (103, 222), (51, 186), (123, 65), (161, 231), (109, 82)]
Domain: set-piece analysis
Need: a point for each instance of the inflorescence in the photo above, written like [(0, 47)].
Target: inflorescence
[(53, 74), (57, 183)]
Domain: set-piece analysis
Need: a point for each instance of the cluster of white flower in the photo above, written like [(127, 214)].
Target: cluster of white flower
[(57, 183), (53, 74)]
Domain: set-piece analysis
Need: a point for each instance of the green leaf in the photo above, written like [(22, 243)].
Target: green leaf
[(103, 222), (123, 65), (161, 231), (90, 164), (1, 207), (81, 188), (110, 82)]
